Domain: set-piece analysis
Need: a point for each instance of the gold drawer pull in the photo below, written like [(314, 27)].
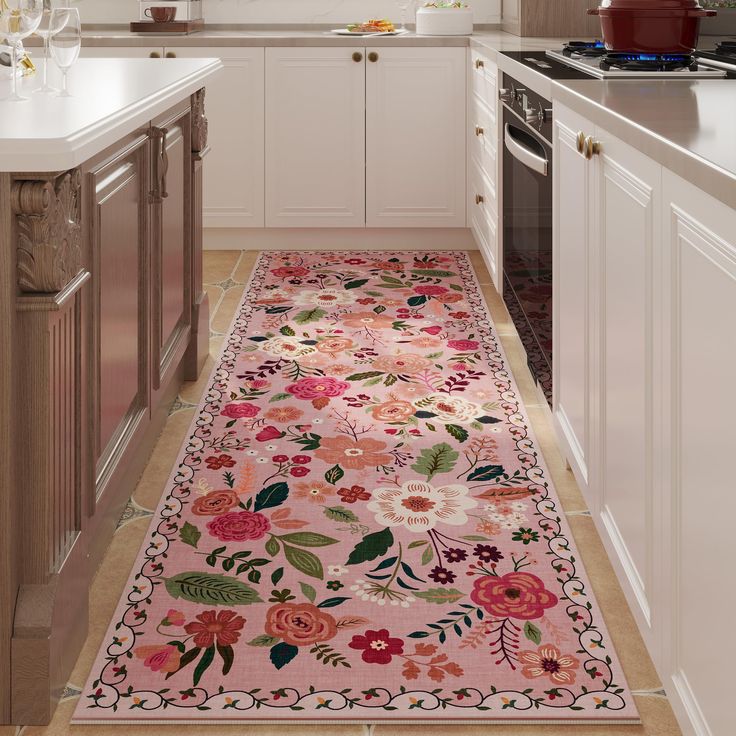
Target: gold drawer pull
[(479, 199), (479, 130), (591, 147), (580, 141), (170, 55), (357, 56), (373, 56), (154, 55), (479, 64)]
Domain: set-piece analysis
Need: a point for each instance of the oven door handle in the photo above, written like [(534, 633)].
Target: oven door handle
[(524, 154)]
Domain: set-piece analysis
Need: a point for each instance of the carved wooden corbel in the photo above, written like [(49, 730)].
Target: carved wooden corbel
[(48, 222), (199, 122)]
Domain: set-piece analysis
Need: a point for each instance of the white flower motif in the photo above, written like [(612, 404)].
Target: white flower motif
[(449, 409), (285, 346), (419, 506), (326, 298), (336, 570)]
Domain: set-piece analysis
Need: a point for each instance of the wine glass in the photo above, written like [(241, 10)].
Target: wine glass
[(66, 42), (46, 29), (18, 19), (404, 6)]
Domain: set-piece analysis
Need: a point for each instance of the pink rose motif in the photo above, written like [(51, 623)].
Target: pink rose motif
[(164, 658), (315, 388), (288, 271), (240, 410), (239, 526), (463, 344), (174, 617), (519, 595), (269, 433), (430, 290), (433, 330)]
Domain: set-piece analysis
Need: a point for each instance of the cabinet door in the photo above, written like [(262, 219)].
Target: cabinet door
[(122, 52), (233, 177), (415, 137), (628, 228), (698, 263), (572, 229), (171, 241), (315, 137)]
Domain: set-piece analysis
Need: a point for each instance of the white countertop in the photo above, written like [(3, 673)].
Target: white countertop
[(110, 99)]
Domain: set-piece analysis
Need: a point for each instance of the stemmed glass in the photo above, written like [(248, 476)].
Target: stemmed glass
[(18, 20), (404, 6), (66, 42), (46, 29)]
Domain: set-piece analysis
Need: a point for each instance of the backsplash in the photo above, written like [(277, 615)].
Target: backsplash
[(277, 11)]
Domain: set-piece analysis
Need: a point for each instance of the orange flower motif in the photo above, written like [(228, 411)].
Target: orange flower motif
[(407, 364), (393, 411), (284, 414), (426, 342), (367, 319), (333, 345), (549, 661), (519, 595), (315, 491), (353, 454), (159, 657), (300, 624), (215, 503)]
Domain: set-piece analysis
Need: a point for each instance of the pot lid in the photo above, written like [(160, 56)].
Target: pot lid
[(650, 4)]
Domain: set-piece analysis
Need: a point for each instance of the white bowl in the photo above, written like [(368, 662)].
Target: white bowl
[(444, 22)]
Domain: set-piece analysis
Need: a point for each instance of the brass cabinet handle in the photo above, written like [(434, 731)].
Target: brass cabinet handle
[(580, 141), (357, 56), (479, 64), (479, 199), (479, 130), (154, 55), (170, 55), (160, 165), (373, 56), (591, 147)]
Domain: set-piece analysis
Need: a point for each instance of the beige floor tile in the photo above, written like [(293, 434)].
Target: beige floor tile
[(245, 266), (153, 481), (215, 294), (8, 730), (218, 265), (221, 319), (497, 307)]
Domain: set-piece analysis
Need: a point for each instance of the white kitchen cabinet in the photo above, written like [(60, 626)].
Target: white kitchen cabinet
[(697, 262), (315, 137), (415, 137), (233, 193)]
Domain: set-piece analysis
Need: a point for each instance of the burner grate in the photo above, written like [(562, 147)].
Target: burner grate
[(584, 48), (648, 62), (726, 47)]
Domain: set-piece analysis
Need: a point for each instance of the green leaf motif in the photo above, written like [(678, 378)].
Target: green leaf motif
[(228, 656), (438, 459), (355, 284), (436, 273), (372, 546), (427, 555), (282, 654), (189, 534), (334, 474), (270, 496), (304, 561), (273, 547), (440, 595), (332, 602), (263, 640), (416, 301), (309, 592), (279, 397), (458, 432), (277, 574), (203, 664), (308, 539), (486, 473), (363, 376), (309, 315), (340, 513), (288, 331), (211, 588), (532, 633)]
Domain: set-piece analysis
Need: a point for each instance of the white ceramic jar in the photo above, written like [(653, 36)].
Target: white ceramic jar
[(444, 21)]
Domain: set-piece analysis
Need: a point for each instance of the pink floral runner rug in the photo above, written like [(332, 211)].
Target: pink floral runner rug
[(360, 526)]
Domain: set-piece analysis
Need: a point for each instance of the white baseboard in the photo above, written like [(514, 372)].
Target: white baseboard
[(450, 238)]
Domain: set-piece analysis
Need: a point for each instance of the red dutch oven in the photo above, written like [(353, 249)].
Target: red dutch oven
[(651, 26)]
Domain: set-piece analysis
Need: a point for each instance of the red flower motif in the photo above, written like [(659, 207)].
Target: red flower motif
[(286, 271), (315, 388), (518, 595), (366, 300), (301, 459), (378, 646), (215, 462), (239, 526), (215, 503), (269, 433), (280, 458), (355, 261), (299, 471), (222, 627), (164, 657), (353, 494), (463, 344), (430, 290), (240, 410), (459, 315), (433, 330)]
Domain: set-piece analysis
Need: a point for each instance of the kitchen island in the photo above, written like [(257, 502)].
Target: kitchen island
[(104, 315)]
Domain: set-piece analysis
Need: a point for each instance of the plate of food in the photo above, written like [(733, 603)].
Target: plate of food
[(370, 28)]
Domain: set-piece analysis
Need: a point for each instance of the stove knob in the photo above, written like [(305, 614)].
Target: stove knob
[(506, 95), (532, 116), (547, 115), (519, 92)]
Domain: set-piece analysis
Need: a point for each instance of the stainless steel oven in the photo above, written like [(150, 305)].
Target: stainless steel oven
[(527, 223)]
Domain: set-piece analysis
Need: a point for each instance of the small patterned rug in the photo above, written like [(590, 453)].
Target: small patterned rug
[(359, 526)]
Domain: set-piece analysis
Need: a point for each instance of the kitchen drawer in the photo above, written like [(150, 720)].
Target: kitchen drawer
[(483, 221), (481, 184), (480, 109), (484, 74), (483, 142)]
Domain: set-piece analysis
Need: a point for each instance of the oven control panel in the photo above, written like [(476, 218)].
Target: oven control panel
[(532, 108)]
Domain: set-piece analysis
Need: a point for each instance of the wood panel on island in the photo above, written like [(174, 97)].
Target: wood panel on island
[(110, 315)]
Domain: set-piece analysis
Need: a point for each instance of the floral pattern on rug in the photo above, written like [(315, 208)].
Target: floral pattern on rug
[(359, 525)]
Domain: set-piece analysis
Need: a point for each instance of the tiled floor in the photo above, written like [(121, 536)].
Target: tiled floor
[(225, 275)]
